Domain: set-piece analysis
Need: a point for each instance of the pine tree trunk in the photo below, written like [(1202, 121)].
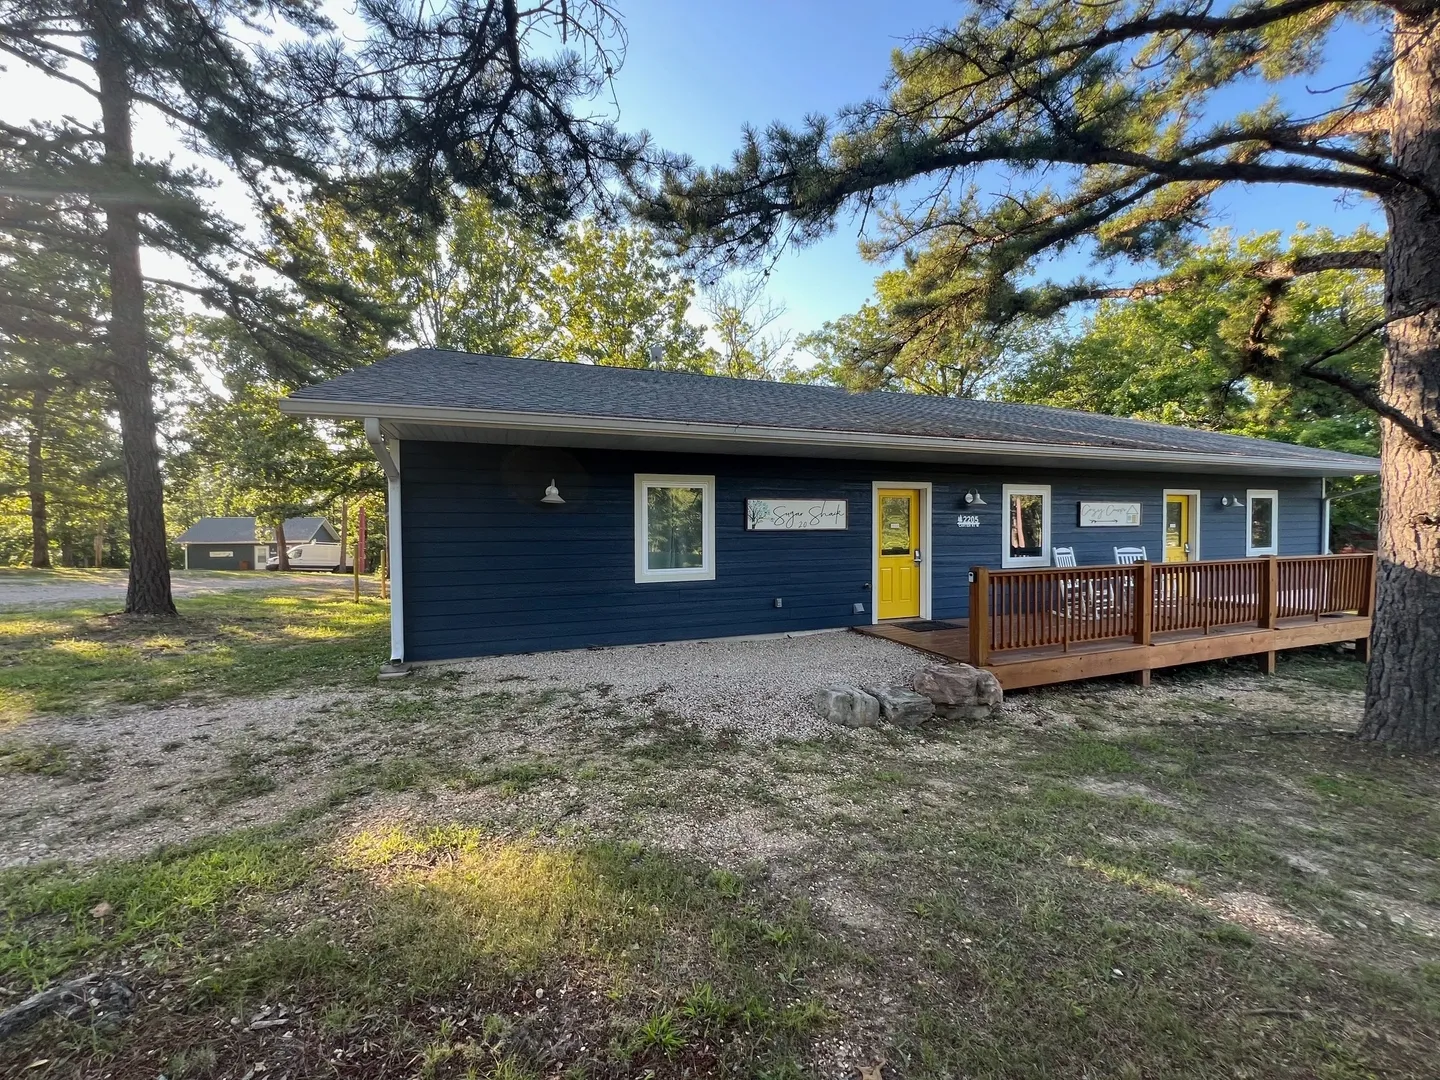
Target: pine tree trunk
[(35, 461), (1402, 703), (131, 379)]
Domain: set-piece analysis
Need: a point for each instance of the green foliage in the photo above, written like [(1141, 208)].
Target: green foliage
[(1032, 137), (613, 300), (242, 455)]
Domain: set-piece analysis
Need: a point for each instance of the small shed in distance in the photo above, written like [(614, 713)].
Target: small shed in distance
[(222, 543), (235, 543)]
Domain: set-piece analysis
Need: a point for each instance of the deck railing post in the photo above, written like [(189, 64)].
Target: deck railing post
[(1270, 593), (979, 616), (1367, 595), (1144, 601)]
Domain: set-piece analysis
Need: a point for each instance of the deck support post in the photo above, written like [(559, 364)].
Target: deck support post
[(1362, 650), (1141, 677), (979, 616), (1267, 662)]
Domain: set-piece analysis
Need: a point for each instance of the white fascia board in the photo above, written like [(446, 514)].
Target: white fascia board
[(781, 437)]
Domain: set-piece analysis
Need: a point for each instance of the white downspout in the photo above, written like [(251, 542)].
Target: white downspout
[(387, 456), (1324, 519)]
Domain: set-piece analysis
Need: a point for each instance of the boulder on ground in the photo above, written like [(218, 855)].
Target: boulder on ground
[(959, 691), (903, 707), (848, 705)]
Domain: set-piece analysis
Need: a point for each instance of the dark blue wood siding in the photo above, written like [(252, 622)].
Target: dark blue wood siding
[(489, 569)]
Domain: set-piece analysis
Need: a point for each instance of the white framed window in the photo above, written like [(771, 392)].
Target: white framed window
[(1262, 522), (674, 528), (1026, 539)]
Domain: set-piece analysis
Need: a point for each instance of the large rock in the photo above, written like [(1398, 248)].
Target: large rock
[(902, 706), (848, 705), (959, 691)]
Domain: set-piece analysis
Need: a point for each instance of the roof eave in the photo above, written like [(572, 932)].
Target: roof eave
[(802, 437)]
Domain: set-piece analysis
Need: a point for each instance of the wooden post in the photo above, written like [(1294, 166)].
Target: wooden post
[(980, 616), (1270, 594), (1367, 607), (1144, 602), (354, 572), (361, 539), (1267, 662)]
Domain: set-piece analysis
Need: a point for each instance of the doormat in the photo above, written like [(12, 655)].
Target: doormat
[(924, 624)]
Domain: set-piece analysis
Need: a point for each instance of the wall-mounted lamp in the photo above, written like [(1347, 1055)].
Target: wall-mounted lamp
[(552, 495), (1230, 500), (972, 498)]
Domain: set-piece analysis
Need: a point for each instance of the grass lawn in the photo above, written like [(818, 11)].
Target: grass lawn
[(448, 878), (84, 658)]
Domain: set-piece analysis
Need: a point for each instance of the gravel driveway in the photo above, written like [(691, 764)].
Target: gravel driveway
[(26, 589)]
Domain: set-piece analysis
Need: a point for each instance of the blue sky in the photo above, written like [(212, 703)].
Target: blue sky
[(695, 73)]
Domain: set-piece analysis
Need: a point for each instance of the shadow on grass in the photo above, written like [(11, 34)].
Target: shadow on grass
[(464, 952), (83, 658)]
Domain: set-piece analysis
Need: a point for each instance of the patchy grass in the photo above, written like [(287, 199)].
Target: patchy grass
[(1196, 880), (53, 759), (235, 643), (451, 948)]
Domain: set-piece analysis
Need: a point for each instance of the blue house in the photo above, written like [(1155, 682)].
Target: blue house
[(538, 505)]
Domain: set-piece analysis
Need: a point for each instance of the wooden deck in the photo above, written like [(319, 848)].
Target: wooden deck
[(1039, 627)]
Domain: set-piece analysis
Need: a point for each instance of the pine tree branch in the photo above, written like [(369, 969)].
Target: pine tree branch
[(1368, 394)]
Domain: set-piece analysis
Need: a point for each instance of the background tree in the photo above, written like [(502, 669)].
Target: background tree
[(748, 344), (254, 460), (498, 116), (472, 282), (885, 346), (614, 300), (1117, 125)]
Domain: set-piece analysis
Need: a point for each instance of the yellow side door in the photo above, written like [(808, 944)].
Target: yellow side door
[(1177, 528), (897, 593)]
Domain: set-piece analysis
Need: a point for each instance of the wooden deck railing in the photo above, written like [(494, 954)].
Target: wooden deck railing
[(1064, 606)]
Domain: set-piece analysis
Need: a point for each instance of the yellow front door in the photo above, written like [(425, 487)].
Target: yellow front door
[(898, 594), (1177, 528)]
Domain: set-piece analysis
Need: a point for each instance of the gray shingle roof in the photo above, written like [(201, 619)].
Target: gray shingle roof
[(241, 530), (469, 382), (219, 530)]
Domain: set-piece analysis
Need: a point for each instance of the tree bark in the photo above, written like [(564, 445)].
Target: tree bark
[(149, 586), (35, 481), (280, 551), (1402, 701)]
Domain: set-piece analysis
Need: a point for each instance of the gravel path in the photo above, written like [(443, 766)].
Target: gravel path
[(760, 689), (142, 777), (26, 589)]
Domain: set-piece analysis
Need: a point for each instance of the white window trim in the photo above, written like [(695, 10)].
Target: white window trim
[(1015, 562), (1250, 497), (706, 570)]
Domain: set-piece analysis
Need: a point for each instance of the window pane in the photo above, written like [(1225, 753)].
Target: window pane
[(675, 528), (1027, 526), (895, 525), (1262, 523)]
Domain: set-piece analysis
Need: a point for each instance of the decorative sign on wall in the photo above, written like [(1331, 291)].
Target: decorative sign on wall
[(1109, 515), (968, 521), (795, 515)]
